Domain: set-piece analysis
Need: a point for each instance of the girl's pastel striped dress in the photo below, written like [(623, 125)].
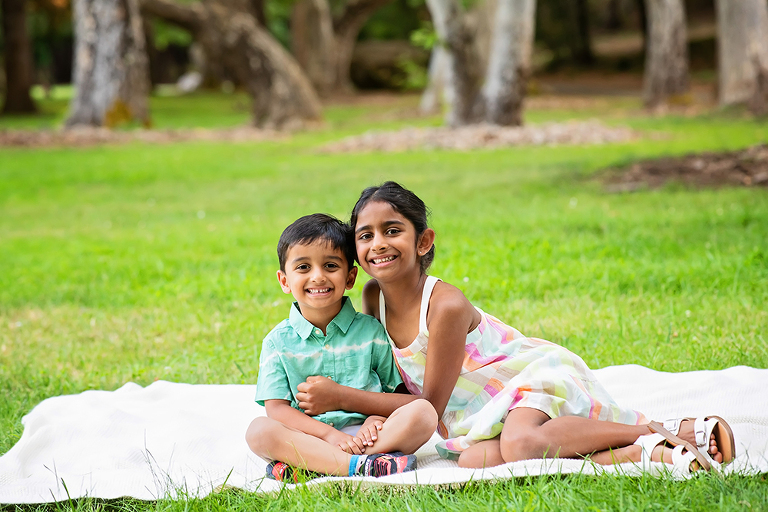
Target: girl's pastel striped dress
[(503, 370)]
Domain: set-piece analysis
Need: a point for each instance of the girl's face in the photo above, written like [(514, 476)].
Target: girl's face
[(386, 242)]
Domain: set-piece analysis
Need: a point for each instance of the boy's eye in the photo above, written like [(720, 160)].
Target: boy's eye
[(303, 266), (332, 266)]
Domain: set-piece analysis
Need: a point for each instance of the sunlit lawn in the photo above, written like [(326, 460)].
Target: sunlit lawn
[(145, 262)]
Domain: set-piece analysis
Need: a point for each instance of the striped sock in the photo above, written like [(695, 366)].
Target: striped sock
[(354, 462)]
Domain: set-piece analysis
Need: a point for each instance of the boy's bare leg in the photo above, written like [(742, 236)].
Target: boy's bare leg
[(406, 429), (272, 440)]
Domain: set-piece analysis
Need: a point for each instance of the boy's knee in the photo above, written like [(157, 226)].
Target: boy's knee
[(261, 434), (423, 416)]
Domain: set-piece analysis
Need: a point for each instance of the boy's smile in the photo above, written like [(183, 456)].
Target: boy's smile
[(317, 275)]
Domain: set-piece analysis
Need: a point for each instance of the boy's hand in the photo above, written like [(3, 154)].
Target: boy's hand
[(317, 395), (346, 442), (369, 432)]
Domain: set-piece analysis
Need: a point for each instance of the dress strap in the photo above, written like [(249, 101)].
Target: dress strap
[(382, 310), (429, 285)]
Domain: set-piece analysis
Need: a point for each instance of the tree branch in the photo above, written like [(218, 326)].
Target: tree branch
[(355, 14), (190, 17)]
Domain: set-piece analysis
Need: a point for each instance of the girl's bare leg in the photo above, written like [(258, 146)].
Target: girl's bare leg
[(484, 454), (530, 434), (406, 429), (271, 440)]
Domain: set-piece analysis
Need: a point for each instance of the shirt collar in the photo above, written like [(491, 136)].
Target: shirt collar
[(304, 328)]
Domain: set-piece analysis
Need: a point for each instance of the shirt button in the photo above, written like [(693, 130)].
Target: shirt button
[(330, 424), (318, 331), (327, 346)]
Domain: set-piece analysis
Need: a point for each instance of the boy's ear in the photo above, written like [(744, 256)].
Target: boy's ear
[(283, 280), (426, 241), (351, 276)]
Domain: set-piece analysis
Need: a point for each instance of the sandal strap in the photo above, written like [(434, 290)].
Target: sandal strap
[(647, 443), (682, 461)]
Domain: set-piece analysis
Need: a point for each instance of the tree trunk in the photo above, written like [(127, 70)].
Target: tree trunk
[(346, 28), (312, 43), (232, 39), (509, 66), (666, 58), (111, 75), (742, 50), (584, 54), (18, 58), (464, 62), (439, 88)]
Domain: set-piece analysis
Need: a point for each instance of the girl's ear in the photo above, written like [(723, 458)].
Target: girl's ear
[(283, 280), (351, 277), (426, 241)]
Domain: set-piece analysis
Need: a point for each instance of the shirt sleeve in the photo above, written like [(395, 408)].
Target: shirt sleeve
[(384, 363), (272, 383)]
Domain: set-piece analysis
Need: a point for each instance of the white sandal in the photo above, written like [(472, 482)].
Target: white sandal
[(703, 428), (684, 454)]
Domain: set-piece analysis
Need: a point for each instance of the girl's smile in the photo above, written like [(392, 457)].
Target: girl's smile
[(385, 240)]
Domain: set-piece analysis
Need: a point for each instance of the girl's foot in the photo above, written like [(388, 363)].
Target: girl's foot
[(710, 434), (665, 447)]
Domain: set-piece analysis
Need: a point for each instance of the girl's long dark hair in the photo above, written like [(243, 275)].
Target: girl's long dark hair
[(404, 202)]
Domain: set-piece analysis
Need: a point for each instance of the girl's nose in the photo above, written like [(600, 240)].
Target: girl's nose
[(379, 242)]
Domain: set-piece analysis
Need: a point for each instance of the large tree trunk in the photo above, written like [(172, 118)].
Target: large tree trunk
[(509, 66), (666, 59), (312, 43), (742, 51), (111, 75), (233, 40), (500, 100), (465, 70), (18, 58)]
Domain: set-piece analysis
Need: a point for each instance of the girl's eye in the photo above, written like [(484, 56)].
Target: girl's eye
[(393, 231), (365, 236)]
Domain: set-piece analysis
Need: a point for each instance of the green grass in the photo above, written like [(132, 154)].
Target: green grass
[(144, 262)]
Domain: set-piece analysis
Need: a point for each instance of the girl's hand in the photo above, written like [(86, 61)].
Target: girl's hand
[(369, 432), (346, 442), (318, 394)]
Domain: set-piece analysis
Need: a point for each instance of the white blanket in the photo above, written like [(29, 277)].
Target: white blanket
[(175, 440)]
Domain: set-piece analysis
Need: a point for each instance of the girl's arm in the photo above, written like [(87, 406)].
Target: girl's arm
[(450, 318), (320, 394)]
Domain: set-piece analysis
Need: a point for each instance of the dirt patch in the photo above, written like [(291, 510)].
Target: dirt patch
[(483, 136), (85, 137), (748, 167)]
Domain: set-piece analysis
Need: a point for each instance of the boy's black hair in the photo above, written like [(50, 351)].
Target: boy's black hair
[(404, 202), (318, 226)]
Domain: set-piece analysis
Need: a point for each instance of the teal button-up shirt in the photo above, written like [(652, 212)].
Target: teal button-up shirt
[(354, 352)]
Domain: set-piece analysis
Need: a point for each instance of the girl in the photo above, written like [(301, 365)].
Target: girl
[(501, 396)]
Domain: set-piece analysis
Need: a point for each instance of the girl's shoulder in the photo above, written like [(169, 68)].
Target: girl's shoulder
[(449, 300)]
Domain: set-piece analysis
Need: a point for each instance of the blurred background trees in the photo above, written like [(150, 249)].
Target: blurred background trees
[(477, 59)]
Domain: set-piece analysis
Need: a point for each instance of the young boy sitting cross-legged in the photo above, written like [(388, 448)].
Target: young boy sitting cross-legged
[(324, 337)]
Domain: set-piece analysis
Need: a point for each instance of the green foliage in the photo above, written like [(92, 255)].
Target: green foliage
[(166, 33), (144, 262), (424, 36)]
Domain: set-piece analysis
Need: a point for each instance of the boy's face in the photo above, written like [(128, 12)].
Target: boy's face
[(317, 276)]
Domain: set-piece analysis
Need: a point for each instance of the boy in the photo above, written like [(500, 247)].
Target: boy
[(324, 336)]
